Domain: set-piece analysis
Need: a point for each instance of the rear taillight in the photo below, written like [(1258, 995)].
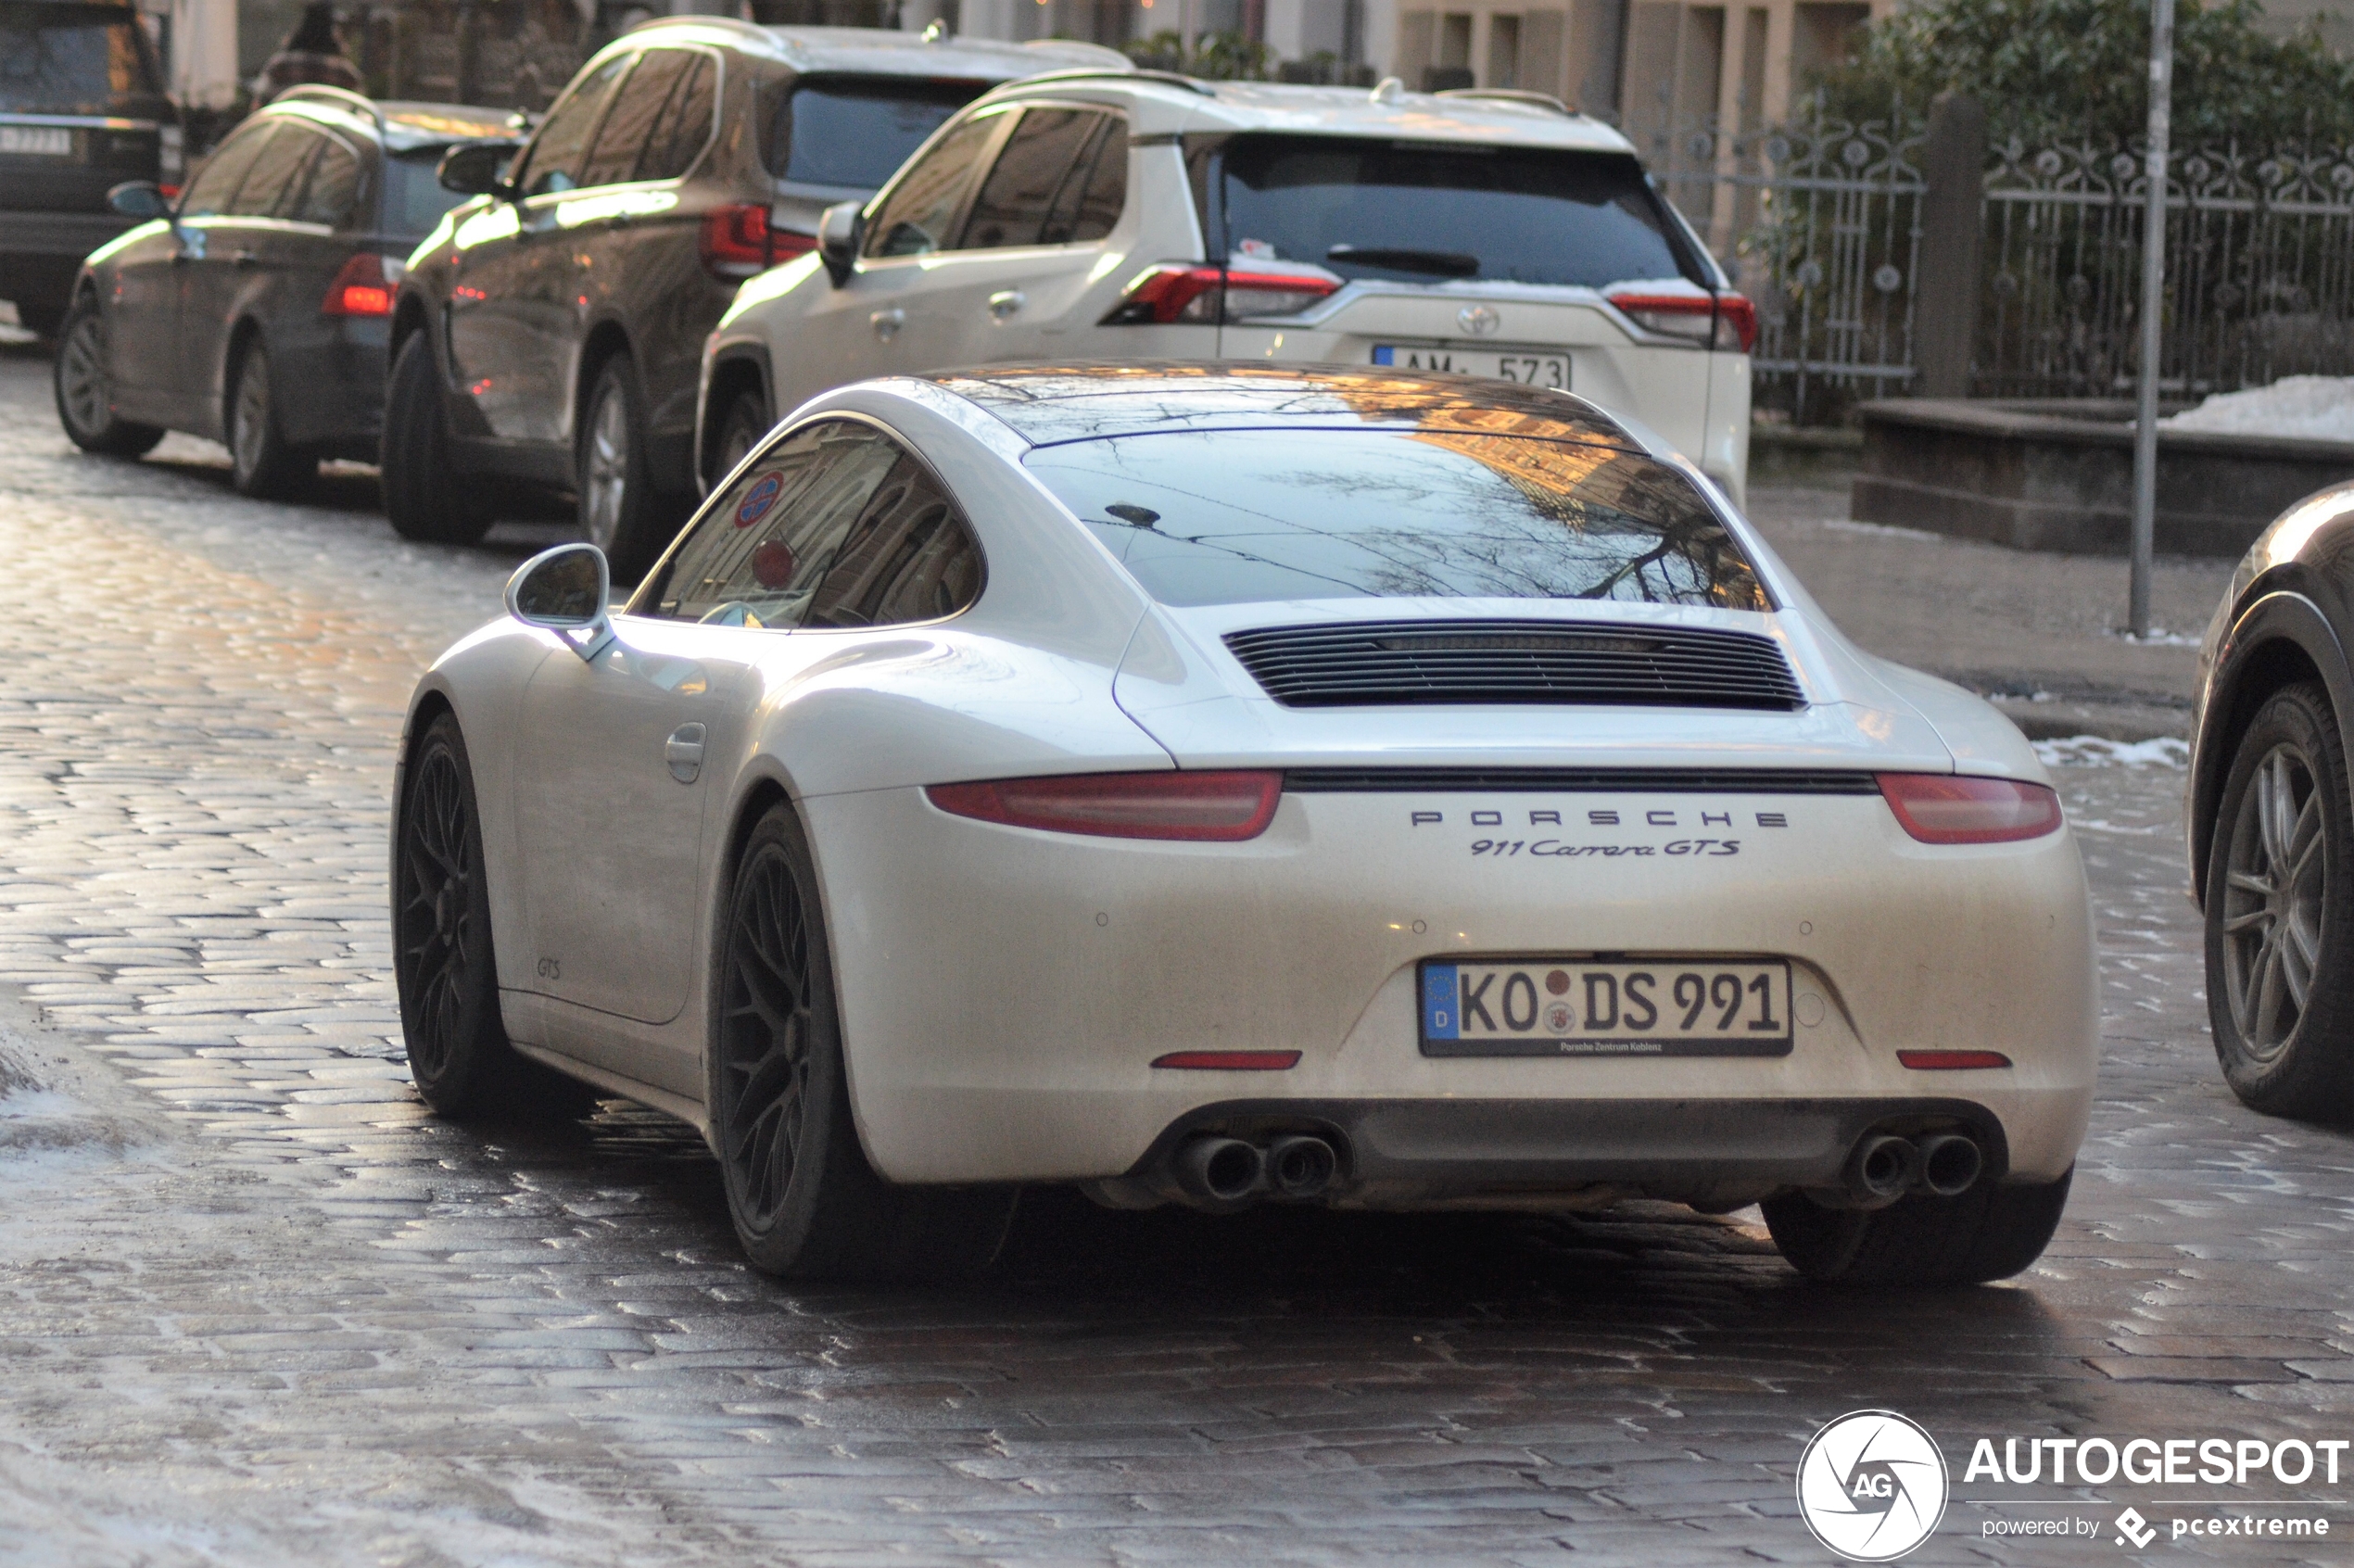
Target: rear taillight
[(737, 241), (1726, 320), (1207, 808), (363, 287), (1954, 808), (1194, 292)]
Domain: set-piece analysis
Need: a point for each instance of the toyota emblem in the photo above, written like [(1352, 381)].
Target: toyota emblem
[(1477, 320)]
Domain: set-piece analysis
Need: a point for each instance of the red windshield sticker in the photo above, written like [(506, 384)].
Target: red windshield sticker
[(760, 498)]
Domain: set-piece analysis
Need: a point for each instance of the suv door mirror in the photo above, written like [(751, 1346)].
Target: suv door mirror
[(140, 199), (567, 590), (840, 229), (475, 168)]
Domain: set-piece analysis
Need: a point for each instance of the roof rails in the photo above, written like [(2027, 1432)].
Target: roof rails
[(343, 99), (1079, 74), (1512, 95)]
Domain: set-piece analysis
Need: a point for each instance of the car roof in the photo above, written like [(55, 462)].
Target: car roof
[(401, 126), (1164, 103), (1046, 404), (875, 51)]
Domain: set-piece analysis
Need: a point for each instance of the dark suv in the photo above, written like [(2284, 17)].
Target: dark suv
[(551, 332), (81, 109), (256, 308)]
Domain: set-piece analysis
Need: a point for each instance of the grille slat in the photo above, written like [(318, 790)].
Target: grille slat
[(1371, 663)]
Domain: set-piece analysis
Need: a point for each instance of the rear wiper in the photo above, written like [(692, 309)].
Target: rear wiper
[(1439, 263)]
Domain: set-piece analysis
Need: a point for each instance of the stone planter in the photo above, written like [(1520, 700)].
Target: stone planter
[(2058, 475)]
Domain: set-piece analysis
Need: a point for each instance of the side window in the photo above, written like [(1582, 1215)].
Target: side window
[(621, 141), (275, 172), (1038, 161), (554, 157), (761, 548), (209, 193), (685, 125), (910, 557), (916, 217), (1096, 194), (333, 189)]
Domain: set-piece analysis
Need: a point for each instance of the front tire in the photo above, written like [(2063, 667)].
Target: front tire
[(426, 499), (85, 390), (806, 1203), (262, 463), (2280, 914), (621, 513), (1989, 1233), (745, 424)]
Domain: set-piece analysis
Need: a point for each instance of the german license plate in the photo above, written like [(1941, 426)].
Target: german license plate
[(1530, 369), (38, 140), (1585, 1007)]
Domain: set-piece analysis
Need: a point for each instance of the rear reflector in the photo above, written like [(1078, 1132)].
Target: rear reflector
[(1184, 292), (1951, 1061), (1230, 1061), (1955, 808), (363, 287), (1211, 807)]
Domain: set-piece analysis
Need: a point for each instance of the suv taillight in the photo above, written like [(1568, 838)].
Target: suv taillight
[(739, 241), (363, 286), (1198, 292), (1727, 320)]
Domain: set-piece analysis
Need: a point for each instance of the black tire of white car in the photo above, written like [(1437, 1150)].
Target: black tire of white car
[(262, 462), (621, 513), (426, 497), (86, 399), (1991, 1231), (806, 1203), (2279, 905)]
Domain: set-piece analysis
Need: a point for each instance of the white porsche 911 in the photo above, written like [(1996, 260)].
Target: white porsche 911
[(1223, 784)]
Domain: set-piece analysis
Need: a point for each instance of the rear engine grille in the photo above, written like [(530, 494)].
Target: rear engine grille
[(1371, 663), (1579, 780)]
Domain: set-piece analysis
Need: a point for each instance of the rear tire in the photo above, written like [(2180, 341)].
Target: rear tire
[(262, 463), (426, 499), (806, 1203), (621, 513), (745, 425), (1989, 1233), (85, 390)]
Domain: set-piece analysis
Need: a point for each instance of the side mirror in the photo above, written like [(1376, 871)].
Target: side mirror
[(475, 168), (841, 228), (140, 199), (567, 590)]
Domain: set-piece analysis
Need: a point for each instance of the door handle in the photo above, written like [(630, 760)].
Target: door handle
[(888, 322), (1005, 301), (683, 751)]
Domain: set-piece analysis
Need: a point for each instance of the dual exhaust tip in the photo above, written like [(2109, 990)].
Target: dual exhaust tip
[(1886, 1166), (1223, 1173)]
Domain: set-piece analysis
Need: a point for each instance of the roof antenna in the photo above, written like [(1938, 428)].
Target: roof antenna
[(936, 32), (1386, 92)]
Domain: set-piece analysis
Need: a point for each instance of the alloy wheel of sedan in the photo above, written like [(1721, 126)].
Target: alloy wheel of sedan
[(766, 1028), (605, 475), (249, 419), (2274, 898), (81, 375)]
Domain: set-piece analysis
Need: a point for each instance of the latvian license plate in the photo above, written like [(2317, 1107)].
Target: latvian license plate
[(1583, 1007), (44, 141), (1531, 369)]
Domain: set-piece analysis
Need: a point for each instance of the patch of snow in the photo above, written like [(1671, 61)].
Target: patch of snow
[(2094, 751), (1886, 530), (2316, 406), (2157, 637)]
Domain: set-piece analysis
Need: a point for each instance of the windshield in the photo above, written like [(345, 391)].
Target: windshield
[(858, 131), (1241, 516), (75, 60), (1423, 211)]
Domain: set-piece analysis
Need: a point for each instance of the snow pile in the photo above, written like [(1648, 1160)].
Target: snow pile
[(2318, 408), (2093, 750)]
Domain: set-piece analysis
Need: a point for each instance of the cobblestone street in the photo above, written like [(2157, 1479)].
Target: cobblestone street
[(256, 1308)]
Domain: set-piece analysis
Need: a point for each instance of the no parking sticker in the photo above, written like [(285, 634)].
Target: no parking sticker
[(760, 498)]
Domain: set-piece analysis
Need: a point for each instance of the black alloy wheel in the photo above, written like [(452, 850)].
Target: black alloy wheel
[(426, 496), (85, 392), (621, 511), (2280, 914), (806, 1203), (1990, 1231), (744, 426), (262, 462)]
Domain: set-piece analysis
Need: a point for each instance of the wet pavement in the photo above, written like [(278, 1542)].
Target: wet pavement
[(256, 1308)]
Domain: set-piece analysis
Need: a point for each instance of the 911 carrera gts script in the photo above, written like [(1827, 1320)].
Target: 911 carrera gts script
[(1553, 847)]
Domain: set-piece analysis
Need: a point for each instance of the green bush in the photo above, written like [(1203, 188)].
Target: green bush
[(2064, 69), (1217, 56)]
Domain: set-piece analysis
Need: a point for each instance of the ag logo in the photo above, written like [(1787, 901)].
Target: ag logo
[(1871, 1485)]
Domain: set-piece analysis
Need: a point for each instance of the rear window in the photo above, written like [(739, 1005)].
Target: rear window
[(1241, 516), (75, 60), (415, 200), (1426, 213), (858, 131)]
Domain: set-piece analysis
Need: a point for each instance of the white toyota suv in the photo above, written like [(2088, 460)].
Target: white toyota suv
[(1082, 216)]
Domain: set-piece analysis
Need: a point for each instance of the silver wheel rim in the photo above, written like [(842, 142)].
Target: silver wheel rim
[(605, 483), (249, 420), (2274, 885), (81, 375)]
